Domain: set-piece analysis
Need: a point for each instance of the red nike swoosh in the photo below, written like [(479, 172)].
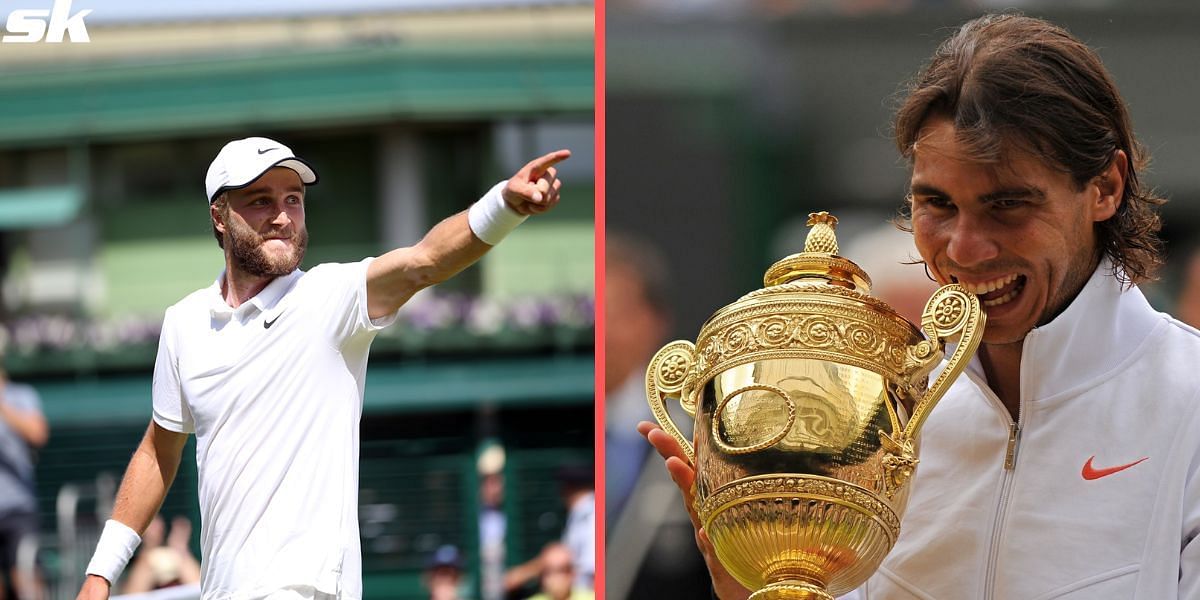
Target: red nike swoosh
[(1090, 472)]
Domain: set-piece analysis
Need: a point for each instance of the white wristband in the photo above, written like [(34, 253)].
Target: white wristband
[(491, 218), (116, 545)]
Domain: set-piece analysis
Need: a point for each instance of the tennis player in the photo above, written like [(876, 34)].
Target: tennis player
[(266, 367)]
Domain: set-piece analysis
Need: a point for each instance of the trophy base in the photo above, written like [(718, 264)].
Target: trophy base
[(791, 590)]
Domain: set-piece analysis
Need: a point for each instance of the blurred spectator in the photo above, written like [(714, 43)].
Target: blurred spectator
[(1188, 307), (443, 574), (558, 575), (576, 483), (643, 516), (492, 521), (23, 430), (579, 536), (158, 565), (636, 322)]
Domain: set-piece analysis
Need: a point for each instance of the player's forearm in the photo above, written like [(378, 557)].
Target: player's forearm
[(459, 241), (445, 251), (449, 248), (148, 477), (146, 481)]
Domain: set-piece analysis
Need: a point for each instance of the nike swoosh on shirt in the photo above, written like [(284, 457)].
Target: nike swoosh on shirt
[(1089, 472), (268, 324)]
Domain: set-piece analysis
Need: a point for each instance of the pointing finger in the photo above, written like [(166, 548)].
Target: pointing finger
[(539, 165)]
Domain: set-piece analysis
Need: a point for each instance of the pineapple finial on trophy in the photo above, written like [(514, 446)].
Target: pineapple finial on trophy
[(821, 237), (819, 262)]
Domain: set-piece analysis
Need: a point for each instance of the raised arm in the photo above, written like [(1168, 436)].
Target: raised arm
[(453, 245), (147, 479)]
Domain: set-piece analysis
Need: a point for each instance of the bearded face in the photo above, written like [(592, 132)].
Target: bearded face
[(261, 226), (268, 254)]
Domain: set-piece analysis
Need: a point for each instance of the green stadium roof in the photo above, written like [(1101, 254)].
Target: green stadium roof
[(358, 84)]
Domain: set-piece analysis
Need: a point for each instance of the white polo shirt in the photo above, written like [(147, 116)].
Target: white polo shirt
[(273, 391)]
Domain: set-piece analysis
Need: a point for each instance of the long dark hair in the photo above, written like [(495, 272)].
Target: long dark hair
[(1008, 80)]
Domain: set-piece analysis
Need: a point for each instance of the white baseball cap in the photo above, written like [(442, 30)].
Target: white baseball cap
[(241, 162)]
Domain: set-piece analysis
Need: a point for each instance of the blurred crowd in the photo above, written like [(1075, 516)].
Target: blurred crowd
[(23, 430), (564, 569), (555, 576)]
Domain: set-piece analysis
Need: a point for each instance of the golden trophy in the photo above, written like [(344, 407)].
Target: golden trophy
[(808, 397)]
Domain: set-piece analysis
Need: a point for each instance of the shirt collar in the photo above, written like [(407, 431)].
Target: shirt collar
[(261, 302)]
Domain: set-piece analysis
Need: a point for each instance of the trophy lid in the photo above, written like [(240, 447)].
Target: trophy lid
[(820, 260), (813, 304)]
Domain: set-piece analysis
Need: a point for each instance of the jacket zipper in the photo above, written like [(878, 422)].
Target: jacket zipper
[(1007, 468), (1014, 438)]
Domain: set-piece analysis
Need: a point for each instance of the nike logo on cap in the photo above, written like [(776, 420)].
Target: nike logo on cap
[(266, 150), (1089, 472)]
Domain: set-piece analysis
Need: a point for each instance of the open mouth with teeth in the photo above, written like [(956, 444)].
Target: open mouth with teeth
[(997, 291)]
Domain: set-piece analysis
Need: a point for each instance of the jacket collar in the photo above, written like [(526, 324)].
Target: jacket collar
[(1104, 326)]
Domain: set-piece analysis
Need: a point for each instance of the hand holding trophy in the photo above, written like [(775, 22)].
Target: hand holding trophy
[(809, 395)]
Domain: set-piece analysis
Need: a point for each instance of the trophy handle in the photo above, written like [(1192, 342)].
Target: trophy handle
[(951, 314), (670, 376)]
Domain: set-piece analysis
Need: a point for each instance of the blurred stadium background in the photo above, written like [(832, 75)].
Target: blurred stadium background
[(729, 121), (409, 111)]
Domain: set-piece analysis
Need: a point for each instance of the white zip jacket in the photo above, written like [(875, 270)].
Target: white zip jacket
[(1100, 498)]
